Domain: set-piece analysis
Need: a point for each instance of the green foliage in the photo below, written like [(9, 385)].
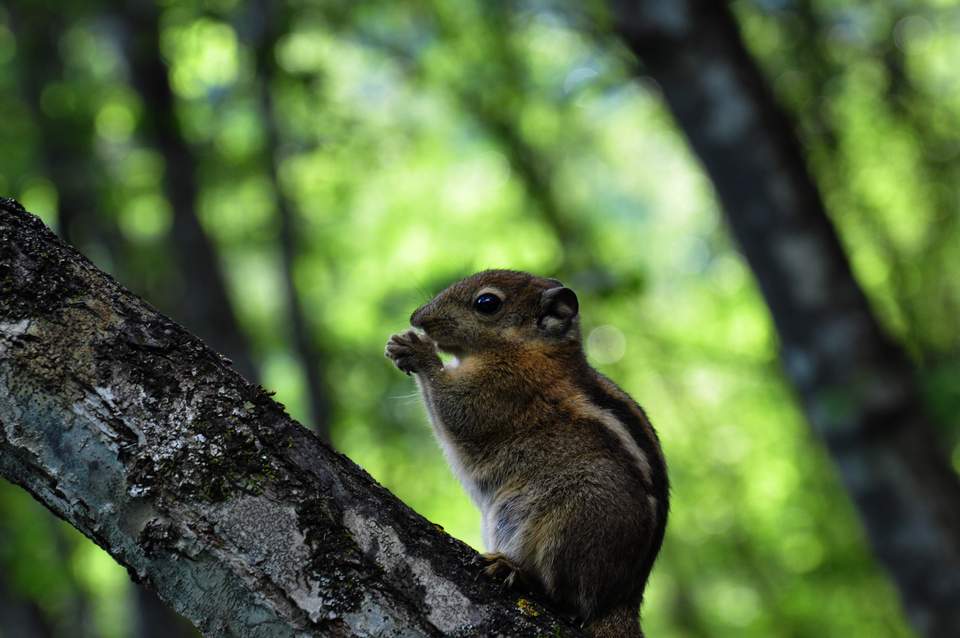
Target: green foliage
[(419, 142)]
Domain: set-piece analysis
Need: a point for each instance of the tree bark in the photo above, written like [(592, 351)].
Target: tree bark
[(136, 433), (856, 387)]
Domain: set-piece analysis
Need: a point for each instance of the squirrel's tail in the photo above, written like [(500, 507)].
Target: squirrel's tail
[(619, 622)]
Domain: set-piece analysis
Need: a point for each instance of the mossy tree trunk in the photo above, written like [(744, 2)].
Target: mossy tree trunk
[(135, 432)]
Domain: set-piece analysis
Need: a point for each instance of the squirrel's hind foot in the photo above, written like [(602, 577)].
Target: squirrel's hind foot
[(502, 569)]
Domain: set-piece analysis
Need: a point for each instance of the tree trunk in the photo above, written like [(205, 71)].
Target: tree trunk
[(857, 388), (21, 617), (271, 23), (136, 433), (206, 305), (64, 140), (154, 619)]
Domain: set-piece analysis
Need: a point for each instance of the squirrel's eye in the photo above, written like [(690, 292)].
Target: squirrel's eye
[(487, 303)]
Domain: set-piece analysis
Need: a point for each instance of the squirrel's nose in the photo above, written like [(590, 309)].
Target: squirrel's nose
[(416, 319), (423, 316)]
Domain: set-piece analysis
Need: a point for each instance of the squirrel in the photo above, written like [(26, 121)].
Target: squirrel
[(564, 466)]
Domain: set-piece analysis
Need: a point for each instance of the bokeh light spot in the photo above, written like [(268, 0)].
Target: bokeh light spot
[(39, 196), (204, 56), (115, 122), (58, 100), (909, 30), (146, 218), (735, 603), (606, 344), (802, 552)]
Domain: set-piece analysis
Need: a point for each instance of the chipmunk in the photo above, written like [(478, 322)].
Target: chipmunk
[(564, 466)]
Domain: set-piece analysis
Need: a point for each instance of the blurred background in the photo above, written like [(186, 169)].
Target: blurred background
[(290, 180)]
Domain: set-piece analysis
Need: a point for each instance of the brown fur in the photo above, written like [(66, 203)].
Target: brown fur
[(563, 464)]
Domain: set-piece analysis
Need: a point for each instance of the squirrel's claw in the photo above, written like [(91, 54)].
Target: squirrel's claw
[(501, 568), (411, 352)]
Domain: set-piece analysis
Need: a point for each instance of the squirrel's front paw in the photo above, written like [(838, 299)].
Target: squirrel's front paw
[(412, 352)]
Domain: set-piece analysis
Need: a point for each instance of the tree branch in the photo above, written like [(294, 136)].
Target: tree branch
[(139, 435), (857, 388)]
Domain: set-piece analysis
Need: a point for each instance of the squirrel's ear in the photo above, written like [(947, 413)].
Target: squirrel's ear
[(558, 308)]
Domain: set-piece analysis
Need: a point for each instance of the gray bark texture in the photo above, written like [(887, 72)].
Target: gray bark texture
[(857, 388), (135, 432)]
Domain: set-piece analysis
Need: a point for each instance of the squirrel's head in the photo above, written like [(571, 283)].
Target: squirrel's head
[(496, 308)]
